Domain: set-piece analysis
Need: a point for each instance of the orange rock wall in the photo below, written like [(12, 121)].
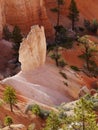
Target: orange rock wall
[(2, 16), (88, 10), (26, 13)]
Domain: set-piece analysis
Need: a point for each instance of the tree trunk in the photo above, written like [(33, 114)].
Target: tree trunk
[(87, 57), (56, 56), (56, 60), (87, 63), (11, 107)]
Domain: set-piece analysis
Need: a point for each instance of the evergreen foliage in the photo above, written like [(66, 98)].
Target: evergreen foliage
[(85, 115), (36, 109), (10, 97), (16, 35), (83, 118), (52, 122), (91, 26), (57, 10), (89, 52), (17, 39), (73, 13), (8, 121), (55, 56), (6, 33)]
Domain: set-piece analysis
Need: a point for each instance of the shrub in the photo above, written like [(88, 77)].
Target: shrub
[(62, 63), (75, 68), (53, 56), (62, 115), (52, 122), (8, 121), (44, 114), (67, 43), (91, 26), (36, 109), (50, 47), (63, 75)]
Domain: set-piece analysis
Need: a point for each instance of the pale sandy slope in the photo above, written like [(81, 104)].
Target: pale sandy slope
[(45, 84)]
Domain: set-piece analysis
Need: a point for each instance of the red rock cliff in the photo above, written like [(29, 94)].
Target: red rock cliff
[(26, 13), (88, 10), (2, 16)]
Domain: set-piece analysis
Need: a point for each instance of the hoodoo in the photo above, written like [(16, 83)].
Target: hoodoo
[(32, 53)]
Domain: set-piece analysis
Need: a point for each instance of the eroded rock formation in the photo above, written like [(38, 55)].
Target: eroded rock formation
[(32, 53), (2, 17), (26, 13)]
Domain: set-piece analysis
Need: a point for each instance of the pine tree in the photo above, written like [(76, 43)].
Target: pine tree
[(57, 28), (6, 33), (8, 121), (89, 52), (57, 10), (17, 39), (16, 35), (73, 13), (85, 117), (52, 122), (10, 97)]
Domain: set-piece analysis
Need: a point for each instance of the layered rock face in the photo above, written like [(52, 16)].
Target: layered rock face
[(87, 9), (26, 13), (2, 17), (32, 51)]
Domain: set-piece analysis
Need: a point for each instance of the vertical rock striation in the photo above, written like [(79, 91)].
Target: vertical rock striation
[(32, 53), (26, 13), (2, 17)]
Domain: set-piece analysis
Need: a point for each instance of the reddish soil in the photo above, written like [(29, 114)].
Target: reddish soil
[(18, 115), (71, 57)]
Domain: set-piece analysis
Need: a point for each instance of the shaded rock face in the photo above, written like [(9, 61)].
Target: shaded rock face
[(32, 51), (26, 13)]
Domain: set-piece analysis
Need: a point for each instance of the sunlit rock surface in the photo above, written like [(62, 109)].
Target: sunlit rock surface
[(32, 53)]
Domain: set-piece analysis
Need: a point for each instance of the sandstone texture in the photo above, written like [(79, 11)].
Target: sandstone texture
[(26, 13), (32, 53), (87, 9), (2, 17)]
